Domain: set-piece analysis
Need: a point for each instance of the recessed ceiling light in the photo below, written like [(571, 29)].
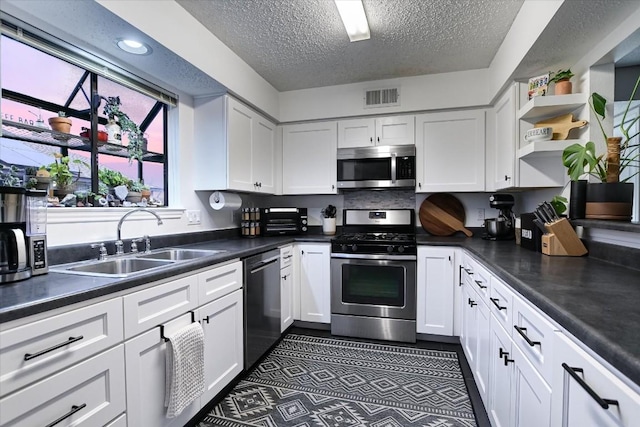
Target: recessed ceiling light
[(354, 19), (133, 46)]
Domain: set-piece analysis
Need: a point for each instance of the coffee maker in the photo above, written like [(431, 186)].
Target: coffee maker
[(14, 261), (502, 227)]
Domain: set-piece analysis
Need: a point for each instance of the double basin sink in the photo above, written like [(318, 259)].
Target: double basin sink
[(130, 264)]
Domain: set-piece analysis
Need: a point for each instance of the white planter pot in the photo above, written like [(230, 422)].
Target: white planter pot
[(329, 226)]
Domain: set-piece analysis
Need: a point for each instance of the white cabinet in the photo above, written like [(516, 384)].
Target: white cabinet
[(369, 132), (531, 395), (222, 322), (475, 338), (309, 158), (500, 376), (315, 282), (450, 151), (234, 147), (505, 134), (435, 290), (286, 287), (574, 406)]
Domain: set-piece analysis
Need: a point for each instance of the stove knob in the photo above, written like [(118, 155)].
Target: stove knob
[(390, 248), (400, 249), (354, 248), (343, 248)]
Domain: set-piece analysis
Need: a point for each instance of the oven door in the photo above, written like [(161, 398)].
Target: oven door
[(374, 285)]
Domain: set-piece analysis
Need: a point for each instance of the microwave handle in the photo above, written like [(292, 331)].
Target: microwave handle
[(393, 168)]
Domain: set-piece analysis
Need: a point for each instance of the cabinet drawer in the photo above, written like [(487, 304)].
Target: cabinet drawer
[(478, 278), (149, 308), (286, 256), (501, 303), (572, 403), (57, 342), (533, 334), (121, 421), (89, 394), (219, 282)]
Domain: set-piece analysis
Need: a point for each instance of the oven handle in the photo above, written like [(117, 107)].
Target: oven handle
[(372, 256)]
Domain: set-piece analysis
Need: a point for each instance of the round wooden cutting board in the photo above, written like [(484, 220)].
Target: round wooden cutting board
[(442, 214)]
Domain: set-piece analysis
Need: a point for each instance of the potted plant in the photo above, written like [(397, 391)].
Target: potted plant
[(562, 82), (329, 220), (135, 191), (60, 172), (61, 123), (9, 176), (145, 192), (136, 138), (611, 198)]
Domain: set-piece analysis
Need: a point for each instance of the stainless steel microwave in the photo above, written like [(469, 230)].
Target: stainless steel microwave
[(377, 167)]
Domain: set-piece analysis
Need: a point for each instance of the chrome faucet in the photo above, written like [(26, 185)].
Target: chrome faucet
[(119, 244)]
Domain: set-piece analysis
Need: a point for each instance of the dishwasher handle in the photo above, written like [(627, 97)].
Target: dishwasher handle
[(263, 264)]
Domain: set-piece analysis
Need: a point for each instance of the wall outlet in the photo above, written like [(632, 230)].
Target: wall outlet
[(193, 217), (480, 214)]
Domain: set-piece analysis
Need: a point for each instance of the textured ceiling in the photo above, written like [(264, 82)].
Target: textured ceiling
[(297, 44)]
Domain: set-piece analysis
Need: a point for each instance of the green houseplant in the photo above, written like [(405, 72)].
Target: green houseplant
[(562, 81), (612, 197), (136, 139), (60, 172)]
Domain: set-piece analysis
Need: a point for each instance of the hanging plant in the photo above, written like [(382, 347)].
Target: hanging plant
[(128, 126)]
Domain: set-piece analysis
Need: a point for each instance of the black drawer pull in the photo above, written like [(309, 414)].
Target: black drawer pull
[(460, 280), (604, 403), (480, 285), (495, 302), (472, 302), (503, 353), (74, 409), (507, 360), (29, 356), (469, 272), (522, 331)]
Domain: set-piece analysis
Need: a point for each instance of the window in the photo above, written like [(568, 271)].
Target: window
[(37, 84)]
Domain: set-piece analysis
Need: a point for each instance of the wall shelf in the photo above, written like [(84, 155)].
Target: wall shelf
[(34, 134), (551, 105), (537, 148)]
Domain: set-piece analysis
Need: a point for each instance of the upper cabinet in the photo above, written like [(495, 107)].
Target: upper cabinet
[(369, 132), (309, 158), (450, 151), (235, 147), (505, 131)]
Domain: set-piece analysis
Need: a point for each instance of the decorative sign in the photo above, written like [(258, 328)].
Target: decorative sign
[(538, 85)]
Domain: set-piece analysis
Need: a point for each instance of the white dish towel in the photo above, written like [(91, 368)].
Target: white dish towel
[(184, 379)]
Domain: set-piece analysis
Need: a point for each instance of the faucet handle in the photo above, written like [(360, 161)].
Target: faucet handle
[(147, 243), (119, 247), (134, 244), (103, 250)]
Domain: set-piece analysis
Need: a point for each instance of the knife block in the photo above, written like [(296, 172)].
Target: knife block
[(562, 240)]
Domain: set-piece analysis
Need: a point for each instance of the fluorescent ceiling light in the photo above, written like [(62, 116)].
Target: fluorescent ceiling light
[(133, 46), (354, 19)]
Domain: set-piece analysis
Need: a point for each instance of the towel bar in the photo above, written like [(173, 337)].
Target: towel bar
[(193, 320)]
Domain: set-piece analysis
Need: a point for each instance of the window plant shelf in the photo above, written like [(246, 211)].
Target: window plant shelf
[(38, 135)]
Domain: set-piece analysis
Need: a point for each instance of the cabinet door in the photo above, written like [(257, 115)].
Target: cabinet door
[(500, 373), (263, 150), (468, 333), (450, 151), (315, 286), (222, 322), (309, 158), (395, 130), (356, 133), (483, 350), (531, 396), (145, 359), (239, 139), (435, 291), (505, 144), (286, 297)]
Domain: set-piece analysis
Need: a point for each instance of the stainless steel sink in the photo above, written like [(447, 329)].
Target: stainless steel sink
[(176, 254), (117, 267)]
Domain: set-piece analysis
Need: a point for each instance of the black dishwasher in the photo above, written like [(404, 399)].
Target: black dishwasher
[(261, 304)]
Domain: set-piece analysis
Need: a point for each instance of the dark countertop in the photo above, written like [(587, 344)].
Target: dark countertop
[(594, 300)]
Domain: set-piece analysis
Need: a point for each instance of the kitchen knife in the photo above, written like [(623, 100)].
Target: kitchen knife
[(538, 217), (553, 211), (548, 209), (543, 215), (540, 225)]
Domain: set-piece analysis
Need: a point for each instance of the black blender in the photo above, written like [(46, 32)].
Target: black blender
[(502, 227)]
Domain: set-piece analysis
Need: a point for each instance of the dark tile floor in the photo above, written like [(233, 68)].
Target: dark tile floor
[(476, 401)]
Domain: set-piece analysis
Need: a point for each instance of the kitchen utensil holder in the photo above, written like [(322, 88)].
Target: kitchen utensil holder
[(562, 240)]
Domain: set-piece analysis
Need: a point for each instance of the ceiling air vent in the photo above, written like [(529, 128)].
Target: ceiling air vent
[(381, 97)]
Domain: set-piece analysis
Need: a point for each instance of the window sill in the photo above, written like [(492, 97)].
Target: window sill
[(630, 227), (89, 215)]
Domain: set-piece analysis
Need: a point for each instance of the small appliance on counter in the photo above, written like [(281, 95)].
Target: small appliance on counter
[(14, 258), (502, 227), (283, 221), (37, 231)]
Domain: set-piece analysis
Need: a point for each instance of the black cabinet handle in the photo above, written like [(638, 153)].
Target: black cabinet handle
[(495, 302), (469, 272), (522, 331), (371, 140), (507, 360), (29, 356), (604, 403), (503, 353), (480, 285), (74, 409), (472, 302), (460, 282)]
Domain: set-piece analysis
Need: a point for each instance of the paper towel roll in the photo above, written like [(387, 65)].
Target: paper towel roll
[(227, 201)]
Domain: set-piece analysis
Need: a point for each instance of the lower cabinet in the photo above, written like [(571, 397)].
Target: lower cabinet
[(475, 338), (435, 290), (315, 280), (587, 393), (286, 297)]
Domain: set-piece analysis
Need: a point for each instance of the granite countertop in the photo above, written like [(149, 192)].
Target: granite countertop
[(594, 300)]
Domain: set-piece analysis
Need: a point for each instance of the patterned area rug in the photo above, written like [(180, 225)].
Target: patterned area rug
[(309, 381)]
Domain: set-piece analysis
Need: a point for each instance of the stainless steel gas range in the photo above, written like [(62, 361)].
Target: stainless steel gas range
[(373, 275)]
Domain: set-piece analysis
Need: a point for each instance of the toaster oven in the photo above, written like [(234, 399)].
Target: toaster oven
[(283, 221)]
